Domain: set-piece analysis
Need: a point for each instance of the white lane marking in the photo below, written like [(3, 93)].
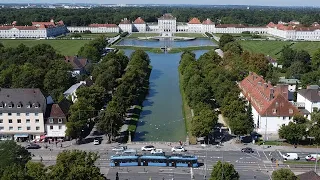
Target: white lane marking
[(259, 167), (254, 157), (265, 155), (141, 172), (272, 167), (258, 153), (123, 172)]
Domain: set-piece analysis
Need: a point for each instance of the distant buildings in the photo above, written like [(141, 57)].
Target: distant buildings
[(310, 98)]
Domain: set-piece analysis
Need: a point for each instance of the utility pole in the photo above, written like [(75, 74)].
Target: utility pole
[(315, 166), (265, 132)]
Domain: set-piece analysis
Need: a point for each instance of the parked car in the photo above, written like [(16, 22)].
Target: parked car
[(312, 157), (33, 146), (178, 149), (147, 148), (157, 151), (96, 141), (290, 156), (247, 150), (119, 148)]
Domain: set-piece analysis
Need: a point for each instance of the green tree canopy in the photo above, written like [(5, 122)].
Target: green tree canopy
[(224, 171), (225, 39), (12, 153), (283, 174)]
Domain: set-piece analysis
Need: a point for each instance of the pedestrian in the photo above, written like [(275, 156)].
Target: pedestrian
[(41, 159), (56, 143), (61, 145)]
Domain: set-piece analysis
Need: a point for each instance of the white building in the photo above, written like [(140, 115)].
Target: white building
[(139, 25), (310, 97), (37, 30), (55, 122), (72, 91), (125, 26), (95, 28), (208, 26), (270, 106), (21, 114), (167, 23), (195, 26)]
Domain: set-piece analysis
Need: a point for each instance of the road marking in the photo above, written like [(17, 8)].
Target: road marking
[(142, 172), (258, 153), (259, 167), (265, 155), (254, 157), (123, 172)]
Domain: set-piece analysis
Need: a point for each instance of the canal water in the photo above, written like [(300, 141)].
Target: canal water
[(156, 43)]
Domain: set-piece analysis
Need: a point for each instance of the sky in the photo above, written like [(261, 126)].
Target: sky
[(211, 2)]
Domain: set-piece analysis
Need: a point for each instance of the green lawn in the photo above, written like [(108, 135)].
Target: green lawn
[(94, 35), (196, 35), (64, 47), (136, 35), (272, 48)]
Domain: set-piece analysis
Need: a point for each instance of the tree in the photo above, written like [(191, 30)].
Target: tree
[(203, 123), (95, 96), (225, 39), (75, 165), (297, 69), (36, 170), (90, 52), (287, 56), (224, 171), (15, 171), (283, 174), (233, 47), (315, 61), (293, 132), (12, 153)]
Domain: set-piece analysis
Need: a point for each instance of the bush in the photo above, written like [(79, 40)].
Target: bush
[(76, 35), (246, 32), (208, 34), (87, 32), (256, 36), (124, 34)]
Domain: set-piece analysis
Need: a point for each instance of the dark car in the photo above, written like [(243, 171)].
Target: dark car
[(33, 146), (247, 150)]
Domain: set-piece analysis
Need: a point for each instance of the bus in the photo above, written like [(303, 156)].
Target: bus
[(183, 161), (154, 160), (124, 160)]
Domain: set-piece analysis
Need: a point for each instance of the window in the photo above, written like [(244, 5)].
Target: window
[(274, 111), (1, 121), (28, 105), (60, 127), (10, 128), (27, 120), (290, 111), (19, 128), (37, 120), (27, 114), (10, 121), (18, 114), (36, 114), (19, 106), (0, 114), (9, 114), (59, 120), (37, 128), (1, 128), (51, 120), (19, 121), (51, 127), (28, 128)]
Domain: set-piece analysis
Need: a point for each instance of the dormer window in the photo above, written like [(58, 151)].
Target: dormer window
[(51, 120), (19, 105), (10, 105), (274, 111), (29, 105), (59, 120), (290, 111), (36, 105), (1, 104)]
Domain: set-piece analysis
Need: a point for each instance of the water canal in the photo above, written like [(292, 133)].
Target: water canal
[(161, 118), (156, 43)]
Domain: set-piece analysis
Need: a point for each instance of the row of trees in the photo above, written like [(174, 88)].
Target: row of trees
[(132, 90), (15, 163), (39, 66), (81, 17), (94, 49)]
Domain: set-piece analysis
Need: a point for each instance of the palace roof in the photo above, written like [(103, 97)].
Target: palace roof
[(167, 16), (103, 25), (139, 20), (194, 21), (207, 22), (125, 21)]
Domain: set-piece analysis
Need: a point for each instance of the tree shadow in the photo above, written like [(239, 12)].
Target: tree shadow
[(155, 74), (144, 113), (147, 102), (140, 136), (152, 92)]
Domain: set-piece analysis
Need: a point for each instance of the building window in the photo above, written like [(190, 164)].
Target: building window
[(1, 128), (1, 121), (28, 128), (51, 120), (290, 111), (19, 128), (0, 114), (9, 114), (18, 114), (59, 120), (10, 128), (274, 111), (10, 121), (51, 127), (60, 127), (37, 128), (284, 118), (36, 114), (37, 120), (19, 121), (27, 120), (27, 114)]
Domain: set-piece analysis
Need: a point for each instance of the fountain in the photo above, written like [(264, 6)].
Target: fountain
[(165, 36)]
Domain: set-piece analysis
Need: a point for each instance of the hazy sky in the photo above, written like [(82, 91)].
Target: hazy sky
[(213, 2)]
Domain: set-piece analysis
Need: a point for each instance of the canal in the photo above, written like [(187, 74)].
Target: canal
[(161, 118)]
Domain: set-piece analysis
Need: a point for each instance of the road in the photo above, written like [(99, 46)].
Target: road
[(254, 165)]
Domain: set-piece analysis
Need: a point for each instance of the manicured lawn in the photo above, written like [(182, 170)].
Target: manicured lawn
[(273, 48), (64, 47), (97, 35), (136, 35), (196, 35)]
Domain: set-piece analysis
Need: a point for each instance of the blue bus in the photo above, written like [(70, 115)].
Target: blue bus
[(183, 161), (154, 160), (119, 160)]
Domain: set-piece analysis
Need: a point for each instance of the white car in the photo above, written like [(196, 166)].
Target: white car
[(290, 156), (119, 148), (157, 151), (96, 142), (147, 148), (178, 149)]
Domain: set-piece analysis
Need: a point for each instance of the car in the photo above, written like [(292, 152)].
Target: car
[(157, 151), (147, 148), (247, 150), (178, 149), (290, 156), (119, 148), (312, 157), (33, 146), (96, 142)]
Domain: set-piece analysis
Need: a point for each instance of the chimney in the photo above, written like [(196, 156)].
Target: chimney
[(265, 85), (271, 94), (259, 83)]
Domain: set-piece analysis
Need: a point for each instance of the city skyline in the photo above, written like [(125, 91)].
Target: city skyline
[(200, 2)]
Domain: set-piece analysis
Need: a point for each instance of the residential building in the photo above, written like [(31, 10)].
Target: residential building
[(270, 106), (311, 175), (71, 92), (55, 122), (21, 114), (95, 28), (292, 83), (310, 98), (37, 30), (125, 25), (78, 64)]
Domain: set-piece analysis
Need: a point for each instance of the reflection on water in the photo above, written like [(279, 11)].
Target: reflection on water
[(168, 43), (161, 118)]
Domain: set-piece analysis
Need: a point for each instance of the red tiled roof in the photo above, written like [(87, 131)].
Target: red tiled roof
[(207, 21), (194, 21), (291, 27), (139, 20), (266, 99), (125, 21), (56, 111), (18, 27), (75, 62), (43, 23), (103, 25), (167, 16), (230, 25)]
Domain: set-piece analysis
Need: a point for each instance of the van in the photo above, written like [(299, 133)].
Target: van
[(312, 157), (290, 156)]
